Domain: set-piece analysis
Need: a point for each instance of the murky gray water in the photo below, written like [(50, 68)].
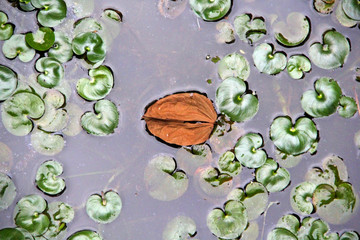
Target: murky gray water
[(152, 57)]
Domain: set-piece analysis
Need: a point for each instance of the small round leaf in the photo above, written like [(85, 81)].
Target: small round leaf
[(7, 191), (6, 29), (210, 10), (297, 65), (85, 235), (228, 164), (248, 29), (347, 107), (61, 50), (42, 40), (179, 228), (267, 61), (300, 197), (16, 46), (248, 152), (47, 178), (8, 82), (51, 12), (52, 72), (11, 234), (46, 143), (91, 44), (352, 9), (234, 65)]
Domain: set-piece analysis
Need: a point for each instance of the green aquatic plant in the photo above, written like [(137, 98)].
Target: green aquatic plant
[(210, 10), (294, 32), (7, 191), (189, 159), (228, 164), (212, 182), (344, 19), (113, 14), (347, 107), (61, 50), (352, 9), (267, 61), (47, 178), (234, 65), (18, 111), (104, 121), (51, 72), (51, 12), (85, 235), (324, 100), (99, 86), (16, 46), (300, 197), (233, 99), (179, 228), (104, 208), (332, 53), (324, 6), (249, 29), (42, 40), (293, 139), (8, 82), (11, 234), (248, 150), (47, 143), (90, 44), (6, 29), (226, 33), (297, 66)]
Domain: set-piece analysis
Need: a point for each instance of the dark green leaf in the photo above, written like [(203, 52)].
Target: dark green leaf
[(8, 82), (42, 40), (51, 12), (104, 208), (51, 72), (6, 29), (47, 178)]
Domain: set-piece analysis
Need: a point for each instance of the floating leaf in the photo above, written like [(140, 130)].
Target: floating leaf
[(6, 158), (268, 61), (352, 9), (90, 44), (324, 6), (47, 178), (16, 46), (324, 100), (30, 214), (26, 5), (73, 126), (104, 121), (230, 223), (226, 33), (99, 86), (7, 191), (294, 32), (349, 236), (297, 65), (233, 100), (228, 164), (290, 222), (51, 12), (293, 139), (332, 53), (347, 107), (51, 72), (248, 152), (189, 159), (87, 24), (343, 18), (213, 183), (181, 118), (251, 232), (171, 9), (61, 49), (300, 197), (18, 110), (255, 199), (104, 208), (273, 177), (287, 161), (179, 228), (42, 40), (85, 235), (8, 82), (46, 143), (163, 181), (281, 234), (210, 10), (11, 234), (234, 65), (248, 29), (113, 14), (6, 29)]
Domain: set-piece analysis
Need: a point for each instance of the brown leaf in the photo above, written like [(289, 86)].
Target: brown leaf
[(181, 118)]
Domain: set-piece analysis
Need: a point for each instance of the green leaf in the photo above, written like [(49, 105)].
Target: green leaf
[(189, 159), (46, 143), (8, 82), (281, 234), (11, 234), (87, 24), (210, 10), (289, 222), (300, 198), (230, 223), (324, 6), (18, 110), (42, 40), (294, 32), (349, 236), (85, 235), (347, 107), (99, 86), (229, 165), (352, 9), (61, 49), (268, 61), (7, 191), (226, 33), (319, 230), (16, 46), (104, 208), (26, 5), (179, 228), (51, 12), (343, 18), (234, 65), (255, 199), (30, 214), (273, 177), (332, 53), (51, 72), (233, 99), (47, 178), (248, 29), (324, 100), (297, 65), (163, 181), (213, 183), (248, 152), (113, 14), (6, 29), (104, 121), (293, 139), (91, 44)]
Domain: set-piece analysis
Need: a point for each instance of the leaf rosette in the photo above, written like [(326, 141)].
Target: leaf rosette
[(210, 10), (90, 44), (233, 99), (51, 12), (47, 178), (234, 65), (8, 82), (268, 61), (51, 72), (248, 150), (6, 29), (104, 208), (16, 46)]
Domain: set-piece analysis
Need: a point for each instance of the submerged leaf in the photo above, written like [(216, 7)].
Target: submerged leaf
[(8, 82), (324, 6), (300, 197), (172, 9), (248, 29), (226, 32), (234, 65), (213, 183), (7, 191), (181, 118), (61, 50), (343, 18), (179, 228), (228, 164), (46, 143), (189, 159)]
